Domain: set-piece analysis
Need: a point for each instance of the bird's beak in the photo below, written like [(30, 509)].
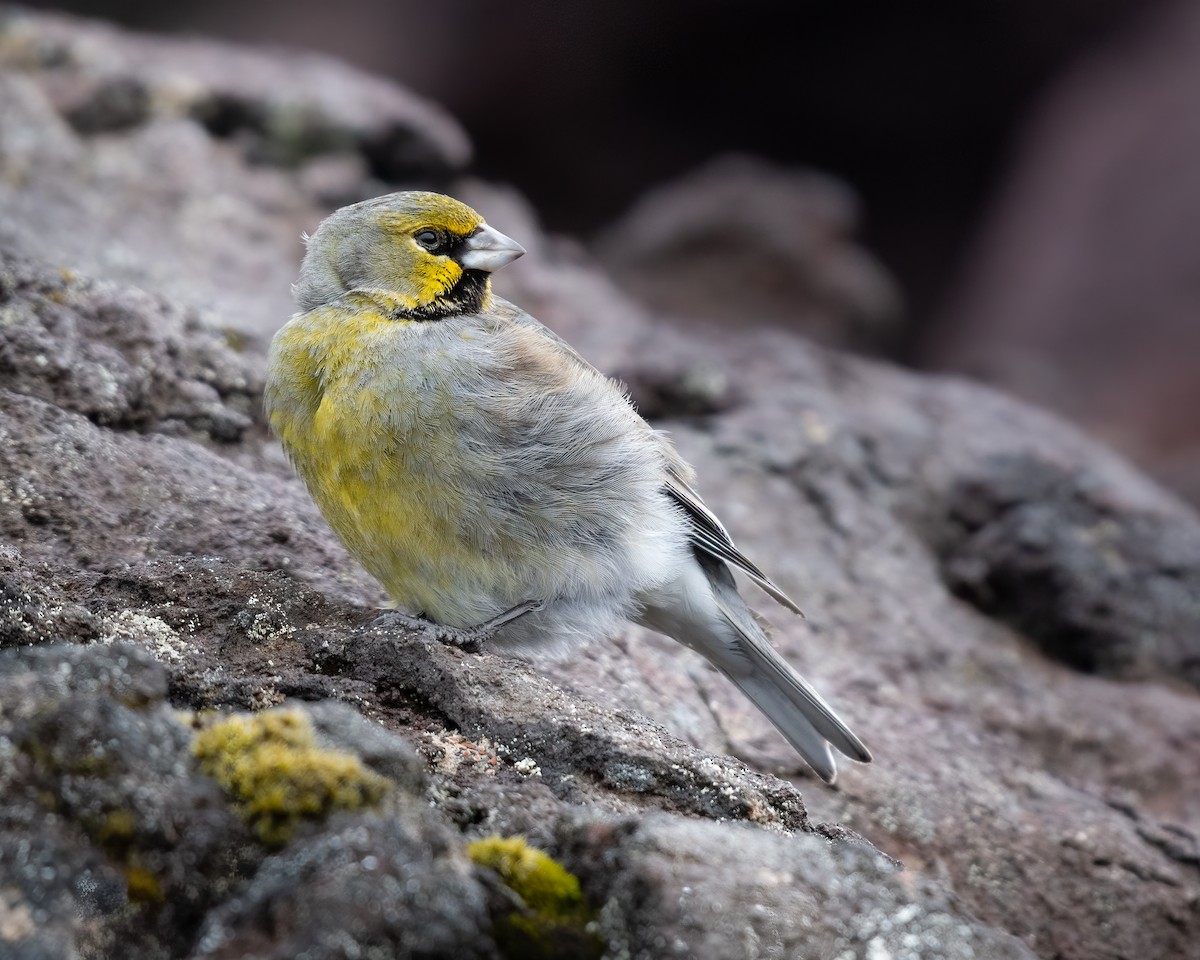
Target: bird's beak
[(488, 250)]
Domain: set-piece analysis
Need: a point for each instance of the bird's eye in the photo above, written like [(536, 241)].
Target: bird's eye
[(429, 239)]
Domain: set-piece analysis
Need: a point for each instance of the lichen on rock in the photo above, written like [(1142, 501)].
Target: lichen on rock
[(556, 922), (272, 768)]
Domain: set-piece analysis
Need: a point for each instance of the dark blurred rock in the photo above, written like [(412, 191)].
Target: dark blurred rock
[(1082, 292), (111, 841), (291, 105), (664, 892), (740, 242), (1054, 803), (394, 887), (106, 817), (1058, 556), (167, 163), (338, 726)]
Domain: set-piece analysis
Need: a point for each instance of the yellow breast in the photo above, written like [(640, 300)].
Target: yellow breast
[(367, 435)]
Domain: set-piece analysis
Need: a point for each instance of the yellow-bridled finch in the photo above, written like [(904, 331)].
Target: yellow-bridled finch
[(496, 484)]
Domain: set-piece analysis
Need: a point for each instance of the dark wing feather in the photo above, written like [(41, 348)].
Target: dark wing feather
[(707, 533)]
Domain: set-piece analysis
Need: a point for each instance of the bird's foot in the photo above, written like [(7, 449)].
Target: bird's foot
[(427, 629), (467, 639)]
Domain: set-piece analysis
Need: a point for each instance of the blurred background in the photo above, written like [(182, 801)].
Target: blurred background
[(1022, 179)]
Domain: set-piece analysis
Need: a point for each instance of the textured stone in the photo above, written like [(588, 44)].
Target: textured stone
[(1003, 609), (662, 885)]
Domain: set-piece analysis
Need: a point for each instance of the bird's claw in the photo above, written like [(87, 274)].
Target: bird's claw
[(469, 639)]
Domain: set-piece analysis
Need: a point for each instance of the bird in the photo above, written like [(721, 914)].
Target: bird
[(502, 490)]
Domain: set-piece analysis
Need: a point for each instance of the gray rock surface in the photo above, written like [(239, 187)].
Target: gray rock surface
[(742, 243), (1004, 610), (797, 897), (174, 164), (103, 809), (376, 887)]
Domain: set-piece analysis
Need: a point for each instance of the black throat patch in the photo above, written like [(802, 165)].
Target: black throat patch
[(466, 296)]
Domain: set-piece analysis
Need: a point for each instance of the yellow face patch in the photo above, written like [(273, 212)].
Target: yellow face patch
[(434, 277), (430, 275)]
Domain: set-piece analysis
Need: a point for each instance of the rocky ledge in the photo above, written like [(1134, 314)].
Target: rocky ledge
[(208, 748)]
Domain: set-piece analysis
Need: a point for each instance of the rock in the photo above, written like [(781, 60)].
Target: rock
[(338, 726), (180, 154), (740, 242), (119, 356), (142, 844), (101, 500), (1056, 555), (374, 888), (111, 841), (1081, 292), (665, 896), (584, 752), (1003, 609)]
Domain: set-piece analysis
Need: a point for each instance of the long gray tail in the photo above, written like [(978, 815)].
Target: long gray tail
[(784, 697), (703, 610), (796, 709)]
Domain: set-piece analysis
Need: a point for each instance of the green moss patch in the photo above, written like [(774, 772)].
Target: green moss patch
[(270, 766), (557, 922)]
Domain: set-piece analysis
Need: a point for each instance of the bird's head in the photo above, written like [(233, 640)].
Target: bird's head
[(429, 253)]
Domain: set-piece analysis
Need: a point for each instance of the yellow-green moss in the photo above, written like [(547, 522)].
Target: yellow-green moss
[(59, 762), (235, 340), (142, 886), (557, 922), (115, 832), (541, 882), (270, 766)]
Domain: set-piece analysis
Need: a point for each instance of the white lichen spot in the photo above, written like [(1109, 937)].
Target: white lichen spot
[(527, 768), (815, 429), (878, 950), (157, 636), (108, 386), (906, 915), (16, 493), (269, 620)]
